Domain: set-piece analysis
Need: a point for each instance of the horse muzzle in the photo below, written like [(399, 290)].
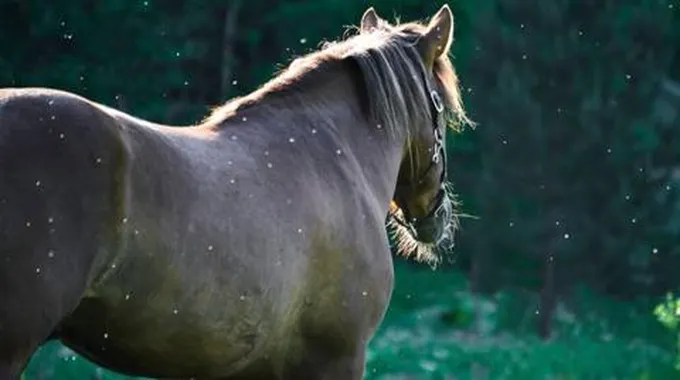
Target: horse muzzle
[(431, 228)]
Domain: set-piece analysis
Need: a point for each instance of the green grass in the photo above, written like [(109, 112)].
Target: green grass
[(435, 329), (447, 333)]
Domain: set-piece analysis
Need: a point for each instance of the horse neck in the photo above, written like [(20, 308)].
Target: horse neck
[(333, 104)]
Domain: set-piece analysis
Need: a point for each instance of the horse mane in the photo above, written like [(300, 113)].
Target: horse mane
[(392, 71)]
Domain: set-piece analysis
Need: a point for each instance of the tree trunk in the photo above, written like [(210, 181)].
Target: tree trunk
[(547, 304), (231, 14)]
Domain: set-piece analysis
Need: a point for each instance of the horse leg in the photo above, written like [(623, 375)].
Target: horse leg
[(7, 374), (31, 307), (319, 364), (350, 367), (43, 274)]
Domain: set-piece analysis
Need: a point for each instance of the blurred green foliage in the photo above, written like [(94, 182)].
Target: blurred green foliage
[(571, 175)]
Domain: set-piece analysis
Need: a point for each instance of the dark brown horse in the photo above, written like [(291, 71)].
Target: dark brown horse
[(251, 246)]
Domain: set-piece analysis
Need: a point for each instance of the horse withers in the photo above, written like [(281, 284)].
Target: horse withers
[(249, 246)]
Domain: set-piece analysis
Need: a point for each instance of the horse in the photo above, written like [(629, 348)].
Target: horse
[(249, 245)]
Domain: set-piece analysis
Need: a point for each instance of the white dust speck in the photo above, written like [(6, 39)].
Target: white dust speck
[(175, 311), (125, 220), (234, 82), (655, 251), (379, 126), (291, 140), (242, 298), (62, 136), (566, 236), (50, 220), (338, 152), (51, 102), (210, 248), (113, 266), (512, 224), (303, 41), (106, 336), (50, 253), (230, 162), (269, 165), (244, 118), (99, 160), (28, 223), (37, 183), (299, 230), (634, 220), (428, 365), (234, 137), (313, 131), (364, 293), (232, 181), (37, 270), (127, 296)]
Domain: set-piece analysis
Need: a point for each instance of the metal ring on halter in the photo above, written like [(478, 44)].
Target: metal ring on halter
[(437, 154), (437, 101)]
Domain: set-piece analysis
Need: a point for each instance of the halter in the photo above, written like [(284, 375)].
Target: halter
[(438, 153)]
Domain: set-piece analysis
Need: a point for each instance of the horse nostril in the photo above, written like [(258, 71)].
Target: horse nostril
[(429, 230)]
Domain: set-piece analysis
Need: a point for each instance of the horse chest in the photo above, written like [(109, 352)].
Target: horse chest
[(347, 294)]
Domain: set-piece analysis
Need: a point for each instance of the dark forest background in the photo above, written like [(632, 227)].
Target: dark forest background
[(568, 263)]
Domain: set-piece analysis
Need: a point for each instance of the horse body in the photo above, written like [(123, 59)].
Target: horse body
[(251, 246), (189, 237)]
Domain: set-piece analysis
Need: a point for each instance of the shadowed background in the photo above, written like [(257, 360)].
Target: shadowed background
[(568, 263)]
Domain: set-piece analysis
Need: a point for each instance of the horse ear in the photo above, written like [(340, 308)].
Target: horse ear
[(369, 20), (439, 35)]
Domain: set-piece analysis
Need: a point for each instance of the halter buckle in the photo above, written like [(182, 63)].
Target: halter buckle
[(436, 156), (437, 101)]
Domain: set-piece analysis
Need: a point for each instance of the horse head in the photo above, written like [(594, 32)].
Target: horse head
[(422, 212)]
